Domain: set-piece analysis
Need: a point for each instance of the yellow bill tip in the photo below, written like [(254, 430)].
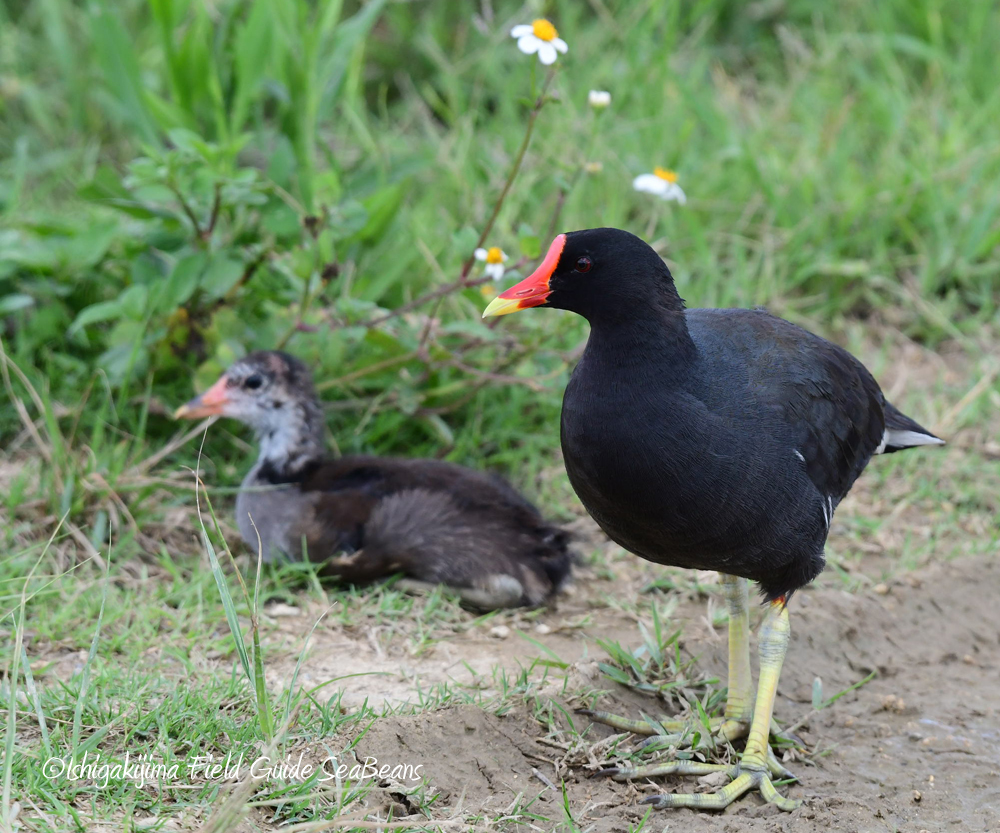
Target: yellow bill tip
[(502, 306)]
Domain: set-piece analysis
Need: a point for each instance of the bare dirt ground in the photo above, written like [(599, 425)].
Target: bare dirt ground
[(917, 748)]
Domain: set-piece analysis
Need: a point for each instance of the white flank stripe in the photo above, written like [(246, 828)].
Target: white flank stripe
[(881, 445)]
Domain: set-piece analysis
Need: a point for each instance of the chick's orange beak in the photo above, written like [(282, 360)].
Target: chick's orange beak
[(534, 289), (211, 403)]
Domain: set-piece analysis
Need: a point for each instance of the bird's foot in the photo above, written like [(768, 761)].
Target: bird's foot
[(757, 764), (685, 767), (679, 733), (665, 731), (743, 781)]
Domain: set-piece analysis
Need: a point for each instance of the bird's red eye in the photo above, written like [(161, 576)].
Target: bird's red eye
[(583, 264)]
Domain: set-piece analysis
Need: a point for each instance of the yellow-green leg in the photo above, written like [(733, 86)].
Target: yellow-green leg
[(733, 725), (739, 698), (752, 771)]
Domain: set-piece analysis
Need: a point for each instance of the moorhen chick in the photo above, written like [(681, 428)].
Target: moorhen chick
[(714, 439), (369, 517)]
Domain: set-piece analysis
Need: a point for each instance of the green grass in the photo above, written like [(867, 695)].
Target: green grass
[(183, 182)]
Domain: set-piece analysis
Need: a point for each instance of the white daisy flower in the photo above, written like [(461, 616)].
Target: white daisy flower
[(494, 260), (599, 99), (661, 182), (541, 37)]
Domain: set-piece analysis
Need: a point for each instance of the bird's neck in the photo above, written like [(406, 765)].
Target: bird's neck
[(655, 340), (290, 447)]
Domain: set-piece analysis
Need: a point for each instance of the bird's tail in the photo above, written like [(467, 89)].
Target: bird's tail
[(902, 432)]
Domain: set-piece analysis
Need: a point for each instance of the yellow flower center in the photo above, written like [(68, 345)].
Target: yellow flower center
[(494, 255), (665, 173), (543, 29)]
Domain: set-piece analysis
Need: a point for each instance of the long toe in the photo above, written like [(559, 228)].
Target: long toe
[(670, 768), (743, 783)]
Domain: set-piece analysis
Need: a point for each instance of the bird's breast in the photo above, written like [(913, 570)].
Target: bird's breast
[(675, 481), (630, 464)]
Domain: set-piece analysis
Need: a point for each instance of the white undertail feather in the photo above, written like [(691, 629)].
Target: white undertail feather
[(901, 438)]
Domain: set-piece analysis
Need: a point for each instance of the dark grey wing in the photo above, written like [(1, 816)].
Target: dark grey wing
[(814, 399), (836, 412)]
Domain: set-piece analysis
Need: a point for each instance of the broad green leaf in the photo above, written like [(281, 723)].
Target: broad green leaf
[(126, 355), (221, 275), (183, 281), (348, 218), (282, 221), (15, 302), (133, 302), (87, 248), (464, 241), (103, 311), (281, 165)]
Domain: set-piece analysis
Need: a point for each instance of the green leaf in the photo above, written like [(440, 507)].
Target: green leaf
[(348, 36), (382, 340), (227, 603), (252, 55), (126, 357), (114, 50), (615, 674), (133, 302), (190, 142), (817, 693), (282, 221), (103, 311), (281, 165), (88, 248), (348, 218), (381, 207), (183, 281), (441, 430), (221, 275), (15, 302), (531, 246)]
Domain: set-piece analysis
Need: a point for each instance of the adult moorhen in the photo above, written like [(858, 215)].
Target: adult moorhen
[(371, 517), (719, 439)]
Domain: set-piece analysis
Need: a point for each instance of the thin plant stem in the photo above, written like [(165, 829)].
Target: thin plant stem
[(577, 176), (307, 297), (536, 109)]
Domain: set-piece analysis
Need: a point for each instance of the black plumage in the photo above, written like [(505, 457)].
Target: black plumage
[(718, 439), (367, 517)]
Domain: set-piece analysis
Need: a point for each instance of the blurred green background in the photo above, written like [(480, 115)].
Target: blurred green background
[(182, 182)]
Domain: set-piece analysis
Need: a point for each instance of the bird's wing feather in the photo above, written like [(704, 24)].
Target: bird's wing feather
[(821, 400)]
